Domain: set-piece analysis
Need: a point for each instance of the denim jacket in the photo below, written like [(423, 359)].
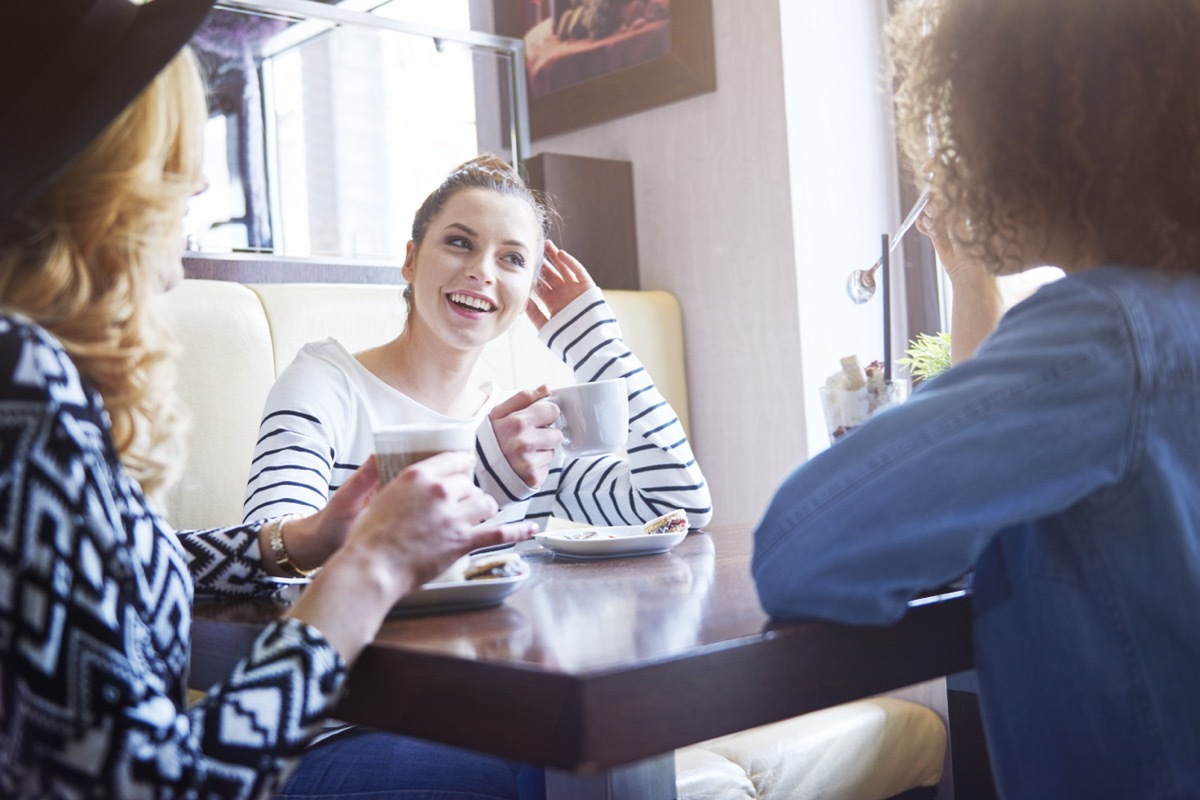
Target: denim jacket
[(1062, 463)]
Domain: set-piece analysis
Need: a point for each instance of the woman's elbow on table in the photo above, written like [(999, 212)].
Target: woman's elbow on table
[(803, 585), (789, 597), (699, 517)]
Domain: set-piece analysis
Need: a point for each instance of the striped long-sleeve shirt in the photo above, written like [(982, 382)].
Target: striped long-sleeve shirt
[(320, 415)]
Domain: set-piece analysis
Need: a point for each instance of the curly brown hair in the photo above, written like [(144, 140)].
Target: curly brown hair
[(1069, 127), (86, 258)]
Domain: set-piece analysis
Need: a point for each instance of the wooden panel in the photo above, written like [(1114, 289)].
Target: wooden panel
[(594, 199), (244, 268)]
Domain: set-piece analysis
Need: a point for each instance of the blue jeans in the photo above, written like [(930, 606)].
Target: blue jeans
[(368, 764)]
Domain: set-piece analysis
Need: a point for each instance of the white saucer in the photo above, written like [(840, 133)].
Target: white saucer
[(432, 598), (435, 598), (608, 542)]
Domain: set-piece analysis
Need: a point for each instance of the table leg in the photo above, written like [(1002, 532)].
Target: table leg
[(968, 743), (650, 779)]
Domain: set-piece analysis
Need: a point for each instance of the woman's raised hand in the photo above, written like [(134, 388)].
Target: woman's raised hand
[(561, 280), (977, 304), (935, 223)]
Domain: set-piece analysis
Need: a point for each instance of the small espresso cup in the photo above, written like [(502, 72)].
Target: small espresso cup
[(399, 446), (593, 418)]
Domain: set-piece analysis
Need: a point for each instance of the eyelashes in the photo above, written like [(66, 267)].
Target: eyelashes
[(517, 260)]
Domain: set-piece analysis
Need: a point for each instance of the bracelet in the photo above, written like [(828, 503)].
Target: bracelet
[(280, 553)]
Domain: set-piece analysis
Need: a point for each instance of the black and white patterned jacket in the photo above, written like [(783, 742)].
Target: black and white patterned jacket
[(95, 617)]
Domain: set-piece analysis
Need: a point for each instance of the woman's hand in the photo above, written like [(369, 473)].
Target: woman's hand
[(935, 222), (425, 518), (561, 280), (412, 529), (522, 425), (976, 302), (313, 539)]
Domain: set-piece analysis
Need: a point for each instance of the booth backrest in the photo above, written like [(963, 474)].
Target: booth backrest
[(237, 338)]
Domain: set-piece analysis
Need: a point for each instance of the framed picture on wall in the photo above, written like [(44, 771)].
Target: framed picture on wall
[(589, 61)]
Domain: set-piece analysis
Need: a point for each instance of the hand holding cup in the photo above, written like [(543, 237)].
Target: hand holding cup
[(524, 429)]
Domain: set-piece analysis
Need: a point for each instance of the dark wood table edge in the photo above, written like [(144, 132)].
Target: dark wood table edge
[(582, 722)]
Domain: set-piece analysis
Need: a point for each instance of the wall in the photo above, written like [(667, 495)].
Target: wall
[(845, 196), (724, 182)]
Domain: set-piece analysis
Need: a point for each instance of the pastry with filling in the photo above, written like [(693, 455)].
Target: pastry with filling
[(673, 522), (455, 573), (496, 565)]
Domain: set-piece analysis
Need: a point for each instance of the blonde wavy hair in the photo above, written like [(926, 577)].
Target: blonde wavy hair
[(88, 257), (1068, 123)]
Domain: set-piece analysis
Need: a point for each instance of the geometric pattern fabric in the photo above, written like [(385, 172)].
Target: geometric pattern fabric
[(95, 617)]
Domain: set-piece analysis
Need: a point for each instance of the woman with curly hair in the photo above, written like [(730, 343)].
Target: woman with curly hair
[(101, 115), (1060, 461)]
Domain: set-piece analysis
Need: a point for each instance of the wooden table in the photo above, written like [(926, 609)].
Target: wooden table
[(601, 669)]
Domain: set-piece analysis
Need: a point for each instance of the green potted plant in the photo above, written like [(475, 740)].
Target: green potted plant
[(928, 355)]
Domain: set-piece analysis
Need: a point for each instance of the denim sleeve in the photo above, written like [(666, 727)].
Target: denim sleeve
[(1039, 419)]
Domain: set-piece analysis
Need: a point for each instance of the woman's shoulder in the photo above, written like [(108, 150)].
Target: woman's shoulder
[(17, 330), (319, 364), (34, 364), (323, 355)]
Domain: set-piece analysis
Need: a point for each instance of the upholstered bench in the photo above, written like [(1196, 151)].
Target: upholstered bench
[(236, 338), (873, 748)]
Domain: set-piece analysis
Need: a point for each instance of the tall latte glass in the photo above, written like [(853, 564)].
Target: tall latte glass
[(399, 446)]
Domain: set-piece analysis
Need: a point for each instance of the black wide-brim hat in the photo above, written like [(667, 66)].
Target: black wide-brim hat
[(68, 68)]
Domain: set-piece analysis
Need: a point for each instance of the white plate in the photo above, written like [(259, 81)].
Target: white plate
[(613, 542), (458, 596), (430, 598)]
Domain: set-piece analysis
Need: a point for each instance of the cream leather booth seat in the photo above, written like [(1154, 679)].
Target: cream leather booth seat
[(236, 338)]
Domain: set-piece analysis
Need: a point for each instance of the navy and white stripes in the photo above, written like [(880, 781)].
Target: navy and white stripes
[(318, 423)]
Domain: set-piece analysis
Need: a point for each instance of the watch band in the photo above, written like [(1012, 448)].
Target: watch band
[(279, 551)]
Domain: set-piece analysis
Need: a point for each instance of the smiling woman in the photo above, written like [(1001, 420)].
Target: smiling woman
[(478, 260)]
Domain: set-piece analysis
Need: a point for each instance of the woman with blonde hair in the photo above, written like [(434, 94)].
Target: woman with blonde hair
[(100, 124), (1060, 461)]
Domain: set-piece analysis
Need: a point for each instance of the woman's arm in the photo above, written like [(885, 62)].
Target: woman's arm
[(293, 467), (660, 472), (910, 500)]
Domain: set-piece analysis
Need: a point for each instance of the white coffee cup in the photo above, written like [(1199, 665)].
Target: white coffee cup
[(399, 446), (594, 417)]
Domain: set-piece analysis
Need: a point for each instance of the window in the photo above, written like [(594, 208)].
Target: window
[(327, 128)]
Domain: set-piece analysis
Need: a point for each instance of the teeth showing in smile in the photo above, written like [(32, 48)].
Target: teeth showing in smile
[(473, 303)]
